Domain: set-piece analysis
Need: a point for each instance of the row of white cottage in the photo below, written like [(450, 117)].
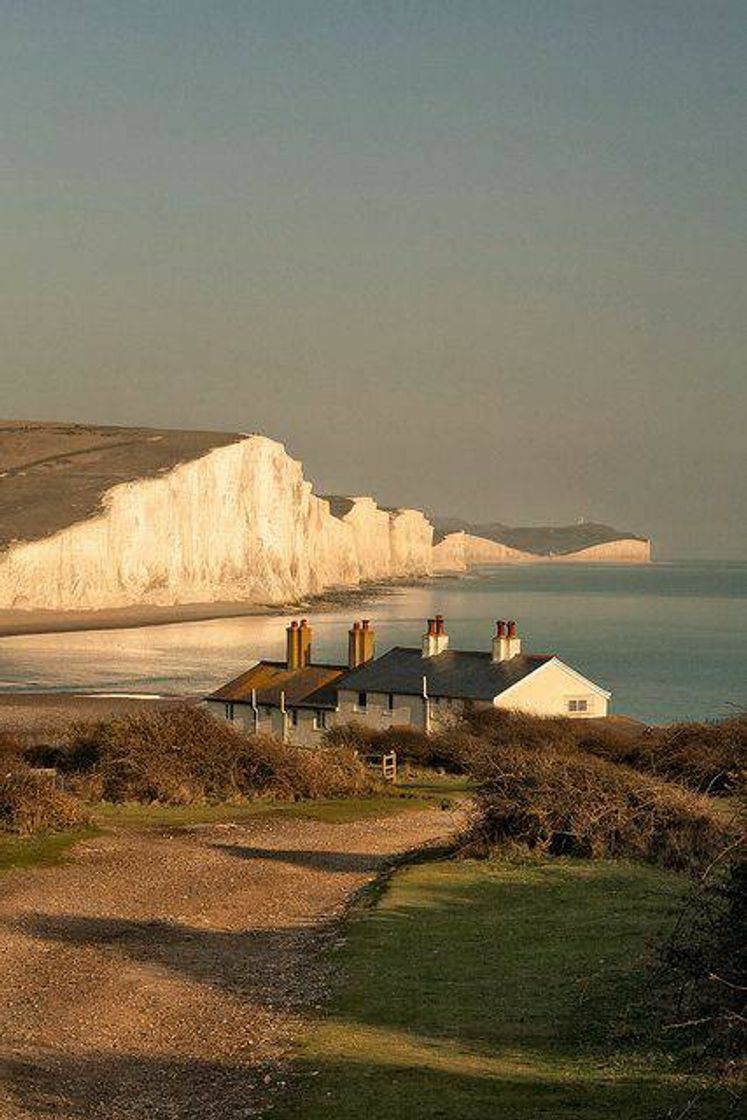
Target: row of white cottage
[(423, 686)]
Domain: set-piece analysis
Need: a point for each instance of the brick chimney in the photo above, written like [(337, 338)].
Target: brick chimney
[(506, 643), (368, 640), (304, 631), (435, 640), (293, 646), (361, 643)]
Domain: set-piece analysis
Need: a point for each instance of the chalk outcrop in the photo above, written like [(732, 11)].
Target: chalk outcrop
[(457, 552), (239, 523), (627, 550), (98, 519)]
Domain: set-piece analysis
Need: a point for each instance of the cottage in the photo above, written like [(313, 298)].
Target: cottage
[(425, 687)]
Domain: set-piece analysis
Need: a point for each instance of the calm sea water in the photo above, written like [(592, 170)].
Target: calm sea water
[(669, 640)]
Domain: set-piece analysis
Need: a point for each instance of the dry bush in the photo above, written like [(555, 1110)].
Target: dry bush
[(182, 755), (564, 802), (353, 736), (12, 745), (30, 803), (443, 750), (707, 757), (705, 965), (504, 728)]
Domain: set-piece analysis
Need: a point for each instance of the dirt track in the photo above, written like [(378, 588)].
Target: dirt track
[(164, 974)]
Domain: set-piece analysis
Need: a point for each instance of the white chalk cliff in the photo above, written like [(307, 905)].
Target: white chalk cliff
[(231, 523), (459, 551), (239, 523), (625, 550)]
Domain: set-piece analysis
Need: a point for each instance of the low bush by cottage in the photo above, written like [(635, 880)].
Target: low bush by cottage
[(182, 755)]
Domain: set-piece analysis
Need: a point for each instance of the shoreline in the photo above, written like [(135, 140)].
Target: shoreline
[(22, 623)]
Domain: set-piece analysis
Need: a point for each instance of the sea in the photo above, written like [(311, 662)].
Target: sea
[(668, 639)]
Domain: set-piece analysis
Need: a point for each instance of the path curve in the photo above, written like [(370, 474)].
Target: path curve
[(165, 974)]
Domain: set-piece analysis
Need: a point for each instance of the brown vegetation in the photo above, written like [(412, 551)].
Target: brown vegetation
[(705, 964), (31, 803), (563, 802), (182, 755), (707, 758), (446, 750)]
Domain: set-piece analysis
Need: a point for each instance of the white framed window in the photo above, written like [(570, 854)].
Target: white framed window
[(578, 705), (320, 720)]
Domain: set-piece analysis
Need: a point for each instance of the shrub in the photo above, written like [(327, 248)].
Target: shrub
[(706, 757), (182, 755), (565, 802), (443, 750), (504, 728), (705, 963), (31, 803)]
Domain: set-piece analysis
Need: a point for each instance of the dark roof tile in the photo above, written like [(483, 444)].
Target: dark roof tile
[(471, 675)]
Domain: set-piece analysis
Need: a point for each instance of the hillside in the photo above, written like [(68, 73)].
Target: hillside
[(540, 540)]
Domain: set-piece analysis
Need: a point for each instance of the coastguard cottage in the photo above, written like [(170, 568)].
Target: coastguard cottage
[(425, 687)]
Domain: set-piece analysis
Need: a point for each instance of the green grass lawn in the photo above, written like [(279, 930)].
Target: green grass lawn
[(513, 990), (39, 851)]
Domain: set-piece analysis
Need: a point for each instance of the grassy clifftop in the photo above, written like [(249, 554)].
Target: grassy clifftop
[(52, 475)]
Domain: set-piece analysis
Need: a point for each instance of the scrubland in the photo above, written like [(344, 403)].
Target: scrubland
[(581, 836)]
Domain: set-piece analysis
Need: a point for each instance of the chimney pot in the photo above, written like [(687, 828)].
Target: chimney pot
[(365, 623), (512, 629)]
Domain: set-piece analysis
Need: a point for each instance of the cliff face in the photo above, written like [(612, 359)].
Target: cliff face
[(629, 550), (106, 518), (411, 543), (459, 551), (239, 523), (390, 544)]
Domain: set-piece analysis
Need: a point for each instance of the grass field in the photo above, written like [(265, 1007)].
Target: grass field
[(473, 990), (52, 848)]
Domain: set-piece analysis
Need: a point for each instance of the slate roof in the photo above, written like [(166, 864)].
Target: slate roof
[(312, 687), (463, 674)]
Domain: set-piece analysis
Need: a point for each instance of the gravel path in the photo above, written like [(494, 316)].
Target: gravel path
[(165, 974)]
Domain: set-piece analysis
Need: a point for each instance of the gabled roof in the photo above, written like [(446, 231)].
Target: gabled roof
[(312, 687), (469, 675)]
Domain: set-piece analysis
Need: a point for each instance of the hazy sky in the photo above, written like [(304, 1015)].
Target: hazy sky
[(483, 257)]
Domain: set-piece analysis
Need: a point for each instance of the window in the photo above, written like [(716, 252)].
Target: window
[(578, 705), (362, 700), (229, 711), (390, 701), (294, 717), (320, 720)]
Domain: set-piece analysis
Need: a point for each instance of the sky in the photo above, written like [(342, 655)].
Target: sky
[(484, 258)]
